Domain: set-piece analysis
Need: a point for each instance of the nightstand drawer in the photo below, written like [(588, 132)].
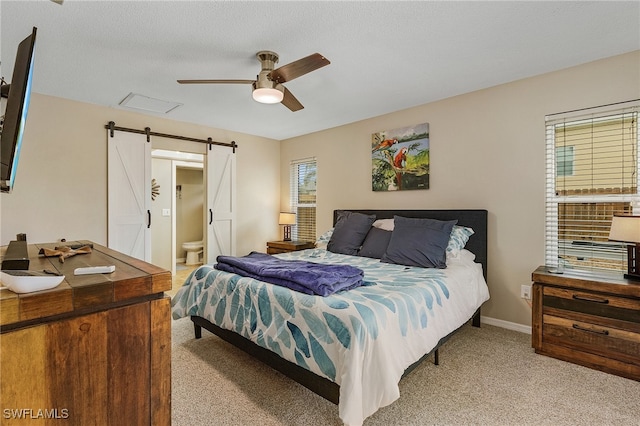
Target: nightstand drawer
[(598, 304), (592, 337), (273, 250)]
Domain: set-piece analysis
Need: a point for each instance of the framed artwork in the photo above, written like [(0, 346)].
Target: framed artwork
[(400, 159)]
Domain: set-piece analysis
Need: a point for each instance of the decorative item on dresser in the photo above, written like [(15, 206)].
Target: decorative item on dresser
[(586, 320), (275, 247)]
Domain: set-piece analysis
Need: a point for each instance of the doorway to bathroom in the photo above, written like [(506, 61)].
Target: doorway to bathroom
[(178, 210)]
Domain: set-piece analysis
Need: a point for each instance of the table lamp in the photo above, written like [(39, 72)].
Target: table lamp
[(287, 219), (626, 229)]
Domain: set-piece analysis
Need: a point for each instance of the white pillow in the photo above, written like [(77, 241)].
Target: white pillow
[(386, 224), (463, 255)]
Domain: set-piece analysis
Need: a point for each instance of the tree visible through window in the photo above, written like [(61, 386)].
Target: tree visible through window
[(592, 174), (303, 174)]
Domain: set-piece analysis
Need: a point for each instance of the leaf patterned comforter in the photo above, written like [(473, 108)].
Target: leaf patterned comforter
[(362, 339)]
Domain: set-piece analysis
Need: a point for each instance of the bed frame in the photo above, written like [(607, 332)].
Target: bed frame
[(477, 244)]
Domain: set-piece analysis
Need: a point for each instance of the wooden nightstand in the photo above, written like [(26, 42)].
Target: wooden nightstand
[(589, 321), (275, 247)]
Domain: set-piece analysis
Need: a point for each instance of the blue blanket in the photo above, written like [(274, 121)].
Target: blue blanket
[(299, 275)]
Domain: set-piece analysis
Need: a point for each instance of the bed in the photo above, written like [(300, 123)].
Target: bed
[(352, 347)]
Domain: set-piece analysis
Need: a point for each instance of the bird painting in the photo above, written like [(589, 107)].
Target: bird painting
[(385, 145), (400, 160)]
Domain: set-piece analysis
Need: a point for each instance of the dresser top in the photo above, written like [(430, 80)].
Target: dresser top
[(567, 278), (133, 280)]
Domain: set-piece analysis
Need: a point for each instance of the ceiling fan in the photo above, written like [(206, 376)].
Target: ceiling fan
[(267, 87)]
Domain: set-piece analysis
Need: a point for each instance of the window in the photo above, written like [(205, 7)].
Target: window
[(564, 160), (302, 184), (592, 174)]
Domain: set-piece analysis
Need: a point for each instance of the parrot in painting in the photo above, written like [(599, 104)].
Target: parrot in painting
[(384, 145), (400, 160)]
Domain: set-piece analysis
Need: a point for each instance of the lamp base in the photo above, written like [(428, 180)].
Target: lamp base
[(287, 233), (633, 263), (632, 277)]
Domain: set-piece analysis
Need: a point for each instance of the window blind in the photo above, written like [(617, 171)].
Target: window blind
[(591, 174), (302, 190)]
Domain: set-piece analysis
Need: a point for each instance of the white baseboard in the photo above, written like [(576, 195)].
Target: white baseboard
[(506, 324)]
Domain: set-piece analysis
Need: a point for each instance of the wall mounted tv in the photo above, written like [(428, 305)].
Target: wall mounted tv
[(18, 93)]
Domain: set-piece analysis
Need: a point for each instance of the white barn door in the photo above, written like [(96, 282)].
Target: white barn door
[(129, 199), (221, 202)]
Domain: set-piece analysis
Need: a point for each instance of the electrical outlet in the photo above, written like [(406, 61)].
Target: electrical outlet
[(525, 291)]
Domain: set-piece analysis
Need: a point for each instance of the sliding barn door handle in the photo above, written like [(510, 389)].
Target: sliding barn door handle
[(210, 216), (148, 218)]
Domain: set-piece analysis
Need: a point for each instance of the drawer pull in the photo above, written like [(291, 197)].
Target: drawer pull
[(590, 299), (603, 332)]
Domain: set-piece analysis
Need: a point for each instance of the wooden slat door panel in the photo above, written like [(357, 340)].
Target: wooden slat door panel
[(73, 389), (161, 362), (23, 351), (128, 376)]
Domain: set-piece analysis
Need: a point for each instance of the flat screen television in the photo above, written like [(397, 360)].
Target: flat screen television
[(18, 93)]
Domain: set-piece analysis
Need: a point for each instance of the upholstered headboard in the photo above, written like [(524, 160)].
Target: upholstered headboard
[(475, 219)]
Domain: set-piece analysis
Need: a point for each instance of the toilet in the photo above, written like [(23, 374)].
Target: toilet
[(193, 249)]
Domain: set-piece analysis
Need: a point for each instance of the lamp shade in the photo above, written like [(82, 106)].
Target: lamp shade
[(625, 229), (287, 219)]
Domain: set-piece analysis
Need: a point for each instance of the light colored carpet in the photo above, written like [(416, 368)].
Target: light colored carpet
[(486, 376)]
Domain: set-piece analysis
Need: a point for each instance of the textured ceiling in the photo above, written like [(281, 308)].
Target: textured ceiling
[(385, 56)]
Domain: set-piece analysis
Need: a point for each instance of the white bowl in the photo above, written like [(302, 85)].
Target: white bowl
[(29, 281)]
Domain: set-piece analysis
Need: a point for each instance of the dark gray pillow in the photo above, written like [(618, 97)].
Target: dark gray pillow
[(349, 233), (419, 242), (375, 243)]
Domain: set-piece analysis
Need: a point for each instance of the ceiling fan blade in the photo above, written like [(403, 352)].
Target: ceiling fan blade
[(58, 1), (216, 81), (298, 68), (290, 101)]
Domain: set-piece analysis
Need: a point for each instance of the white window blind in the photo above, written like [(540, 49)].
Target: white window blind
[(302, 192), (592, 174)]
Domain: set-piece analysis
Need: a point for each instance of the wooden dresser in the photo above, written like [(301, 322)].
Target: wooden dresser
[(96, 350), (593, 322)]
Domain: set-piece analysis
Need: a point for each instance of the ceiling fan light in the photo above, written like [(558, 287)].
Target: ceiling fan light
[(267, 95)]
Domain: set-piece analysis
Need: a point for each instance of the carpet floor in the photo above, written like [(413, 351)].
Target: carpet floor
[(486, 376)]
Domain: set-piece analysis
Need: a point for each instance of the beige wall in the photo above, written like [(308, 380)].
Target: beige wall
[(61, 182), (189, 208), (487, 151)]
